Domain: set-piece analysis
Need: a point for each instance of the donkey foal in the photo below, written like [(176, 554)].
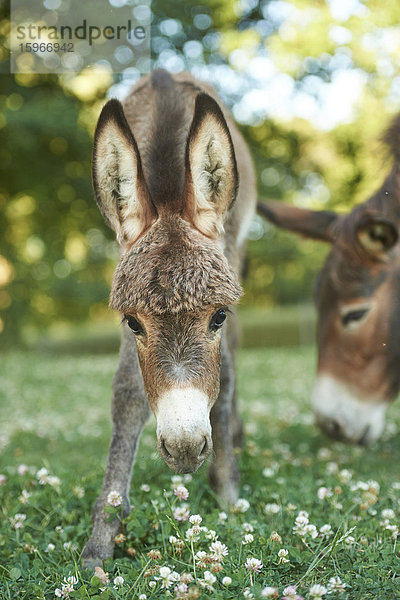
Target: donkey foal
[(166, 171)]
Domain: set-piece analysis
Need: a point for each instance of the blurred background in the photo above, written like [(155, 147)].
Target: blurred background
[(311, 83)]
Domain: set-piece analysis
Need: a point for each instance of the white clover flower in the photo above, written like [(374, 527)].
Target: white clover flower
[(166, 578), (388, 513), (291, 592), (152, 584), (59, 529), (272, 509), (326, 531), (145, 487), (17, 521), (345, 475), (114, 498), (54, 481), (269, 592), (268, 472), (181, 492), (332, 468), (222, 517), (336, 586), (24, 497), (142, 597), (200, 555), (349, 540), (187, 478), (181, 590), (176, 480), (181, 513), (208, 581), (50, 548), (300, 523), (218, 550), (317, 591), (42, 476), (324, 492), (253, 564), (196, 520), (282, 555), (3, 479), (78, 491), (311, 530), (248, 593), (373, 486), (247, 528), (211, 534), (22, 470), (118, 581), (393, 529), (248, 539), (324, 454), (242, 505), (226, 581), (192, 535), (70, 546)]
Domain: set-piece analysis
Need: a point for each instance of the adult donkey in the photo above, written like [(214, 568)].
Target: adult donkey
[(358, 300), (166, 170)]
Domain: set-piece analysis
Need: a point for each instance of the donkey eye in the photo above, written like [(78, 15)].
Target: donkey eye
[(218, 319), (354, 315), (134, 325)]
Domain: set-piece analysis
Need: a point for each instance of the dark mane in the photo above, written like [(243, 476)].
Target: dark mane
[(165, 156)]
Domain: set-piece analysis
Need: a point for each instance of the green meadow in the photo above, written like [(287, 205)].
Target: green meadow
[(313, 513)]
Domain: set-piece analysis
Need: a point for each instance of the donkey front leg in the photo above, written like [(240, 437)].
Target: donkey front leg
[(223, 473), (129, 412)]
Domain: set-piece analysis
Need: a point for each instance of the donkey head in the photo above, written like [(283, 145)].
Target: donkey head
[(357, 297), (173, 284)]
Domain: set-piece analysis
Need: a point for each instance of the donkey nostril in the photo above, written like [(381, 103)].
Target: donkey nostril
[(332, 428), (165, 449), (204, 449)]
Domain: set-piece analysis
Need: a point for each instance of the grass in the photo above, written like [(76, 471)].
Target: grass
[(54, 412)]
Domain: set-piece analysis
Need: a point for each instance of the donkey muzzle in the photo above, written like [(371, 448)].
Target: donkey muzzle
[(346, 415), (183, 428)]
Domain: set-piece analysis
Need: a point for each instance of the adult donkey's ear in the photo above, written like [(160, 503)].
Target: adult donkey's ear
[(118, 180), (376, 234), (211, 171), (315, 224)]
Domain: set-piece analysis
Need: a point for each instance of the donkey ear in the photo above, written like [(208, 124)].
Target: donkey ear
[(314, 224), (118, 181), (211, 171), (376, 234)]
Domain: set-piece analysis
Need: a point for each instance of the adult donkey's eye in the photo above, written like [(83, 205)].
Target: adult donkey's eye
[(134, 325), (218, 319), (353, 316)]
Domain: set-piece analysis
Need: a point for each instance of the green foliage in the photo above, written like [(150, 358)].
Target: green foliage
[(56, 254), (284, 463)]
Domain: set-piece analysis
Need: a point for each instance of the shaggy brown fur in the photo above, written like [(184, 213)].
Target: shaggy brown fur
[(173, 268)]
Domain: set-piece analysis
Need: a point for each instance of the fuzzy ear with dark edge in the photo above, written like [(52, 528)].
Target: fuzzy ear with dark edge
[(211, 171), (376, 234), (118, 181), (317, 225)]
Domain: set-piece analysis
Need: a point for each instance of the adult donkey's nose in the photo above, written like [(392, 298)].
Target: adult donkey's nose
[(183, 428)]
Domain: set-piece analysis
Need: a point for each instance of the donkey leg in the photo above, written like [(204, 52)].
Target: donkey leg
[(129, 413), (223, 472)]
